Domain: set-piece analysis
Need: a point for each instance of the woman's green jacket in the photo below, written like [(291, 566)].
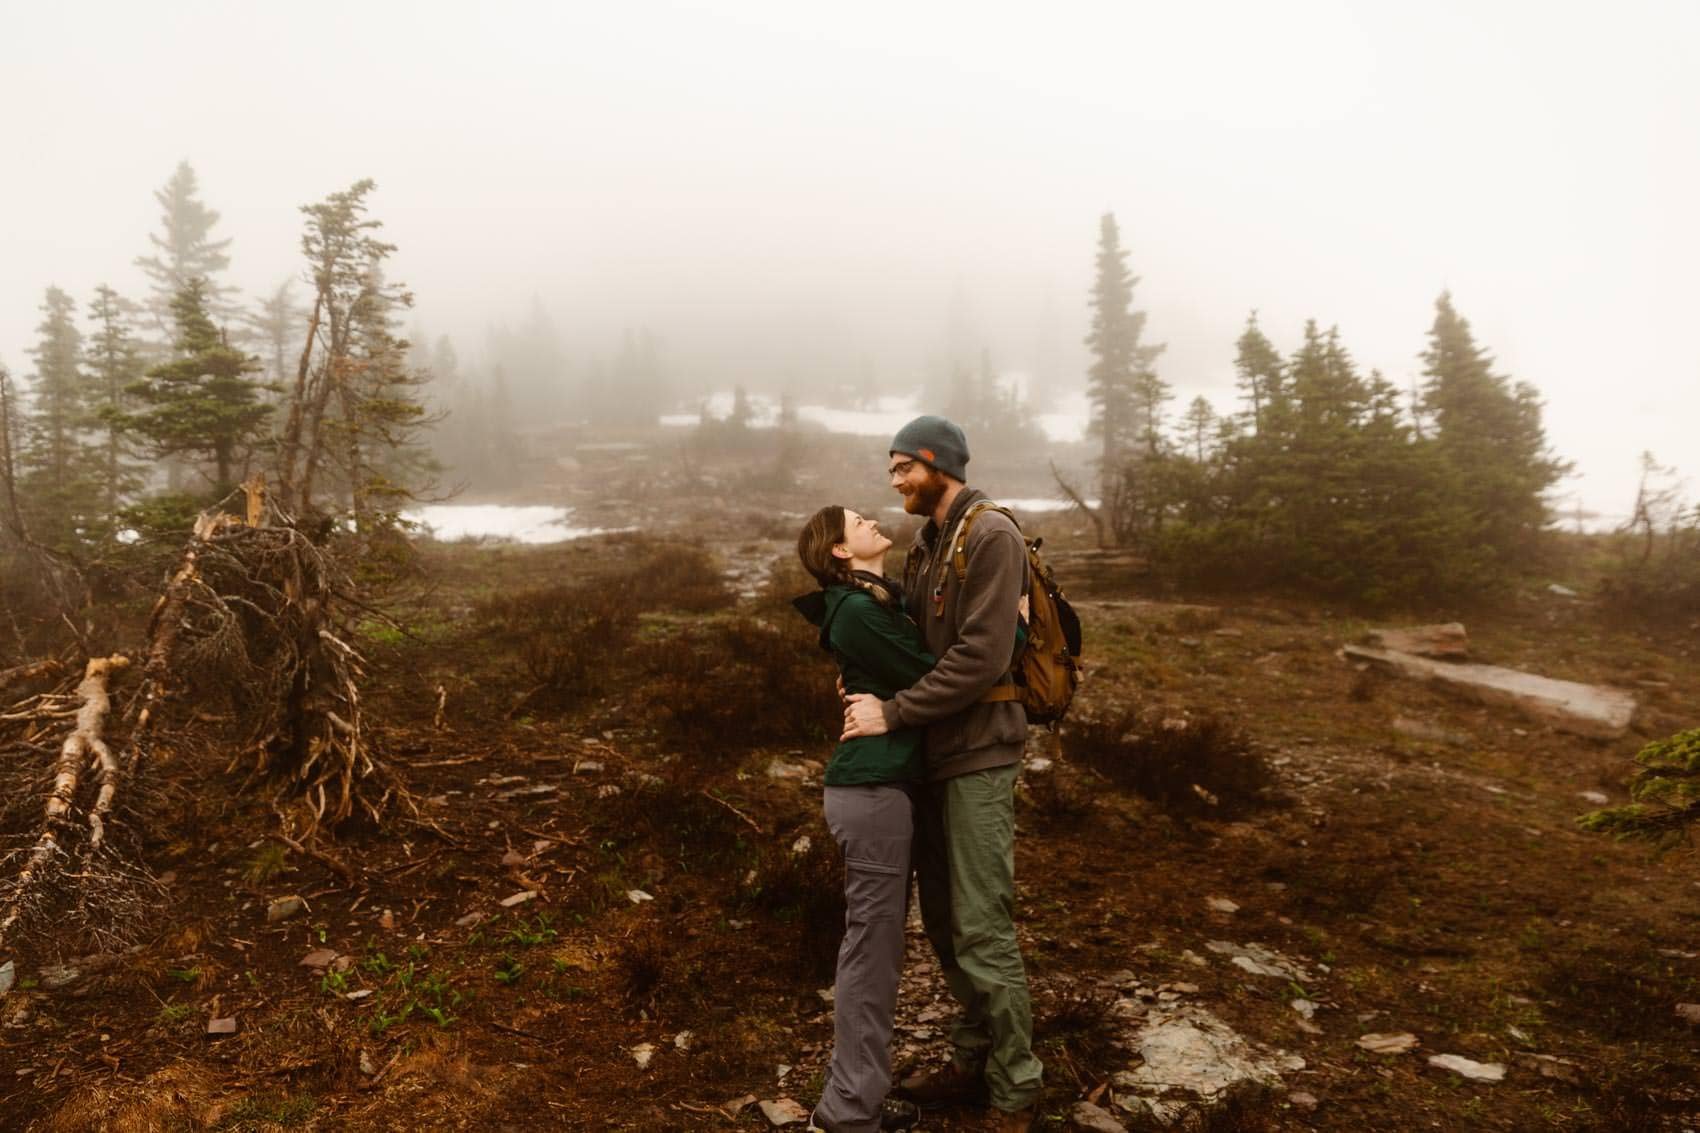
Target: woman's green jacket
[(879, 651)]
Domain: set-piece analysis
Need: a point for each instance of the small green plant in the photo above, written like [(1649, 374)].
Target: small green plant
[(184, 975), (174, 1013), (508, 969), (269, 860), (378, 964), (531, 933), (334, 982)]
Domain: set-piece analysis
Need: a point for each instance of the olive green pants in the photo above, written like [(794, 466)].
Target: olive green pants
[(965, 867)]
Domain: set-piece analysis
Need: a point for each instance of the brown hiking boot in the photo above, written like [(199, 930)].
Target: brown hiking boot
[(1019, 1121), (946, 1086)]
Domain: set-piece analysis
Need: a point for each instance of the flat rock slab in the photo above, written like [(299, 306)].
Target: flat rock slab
[(1191, 1059), (1447, 642), (1583, 710)]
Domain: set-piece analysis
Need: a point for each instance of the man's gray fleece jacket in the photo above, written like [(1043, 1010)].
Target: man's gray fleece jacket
[(972, 633)]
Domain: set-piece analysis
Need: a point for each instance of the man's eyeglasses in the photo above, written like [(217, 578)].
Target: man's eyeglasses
[(901, 468)]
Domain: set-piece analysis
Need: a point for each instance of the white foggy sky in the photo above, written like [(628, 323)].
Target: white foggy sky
[(794, 188)]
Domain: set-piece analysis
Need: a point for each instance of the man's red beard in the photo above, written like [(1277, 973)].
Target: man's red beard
[(927, 494)]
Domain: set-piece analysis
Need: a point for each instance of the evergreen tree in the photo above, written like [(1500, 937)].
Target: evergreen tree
[(1200, 427), (1122, 384), (355, 414), (1260, 371), (1489, 434), (56, 475), (275, 322), (184, 250), (114, 366), (202, 403)]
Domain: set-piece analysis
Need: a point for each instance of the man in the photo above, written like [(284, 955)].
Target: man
[(964, 847)]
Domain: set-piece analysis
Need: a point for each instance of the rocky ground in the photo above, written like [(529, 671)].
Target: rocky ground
[(1394, 923)]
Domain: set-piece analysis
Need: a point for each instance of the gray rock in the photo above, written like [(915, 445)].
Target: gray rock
[(1094, 1119), (1468, 1067), (285, 907), (8, 976)]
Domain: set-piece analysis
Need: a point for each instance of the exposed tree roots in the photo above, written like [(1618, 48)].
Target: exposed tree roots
[(246, 634)]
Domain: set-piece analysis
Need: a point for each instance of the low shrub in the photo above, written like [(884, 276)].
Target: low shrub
[(1190, 767), (803, 887), (723, 687)]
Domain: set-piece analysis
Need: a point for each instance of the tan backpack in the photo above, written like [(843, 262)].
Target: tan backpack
[(1047, 667)]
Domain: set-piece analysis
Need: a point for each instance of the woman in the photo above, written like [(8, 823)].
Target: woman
[(868, 809)]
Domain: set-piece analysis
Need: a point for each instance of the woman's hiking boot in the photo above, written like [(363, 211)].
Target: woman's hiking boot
[(947, 1086), (895, 1113)]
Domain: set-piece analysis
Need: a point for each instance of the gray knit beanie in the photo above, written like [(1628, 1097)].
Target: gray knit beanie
[(938, 442)]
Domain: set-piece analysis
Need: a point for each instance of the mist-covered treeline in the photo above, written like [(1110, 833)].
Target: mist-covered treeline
[(1333, 481), (141, 410)]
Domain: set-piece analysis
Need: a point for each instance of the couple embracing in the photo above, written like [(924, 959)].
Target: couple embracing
[(923, 782)]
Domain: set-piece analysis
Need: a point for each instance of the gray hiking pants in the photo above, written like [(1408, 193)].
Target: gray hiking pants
[(873, 827), (965, 866)]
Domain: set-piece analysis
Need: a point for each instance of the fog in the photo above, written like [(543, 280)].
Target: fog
[(795, 197)]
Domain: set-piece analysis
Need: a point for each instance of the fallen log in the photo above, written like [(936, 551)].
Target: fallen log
[(1595, 711), (86, 739)]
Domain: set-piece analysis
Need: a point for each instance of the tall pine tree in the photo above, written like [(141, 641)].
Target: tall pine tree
[(57, 476), (1121, 385), (1488, 432), (184, 250), (114, 365)]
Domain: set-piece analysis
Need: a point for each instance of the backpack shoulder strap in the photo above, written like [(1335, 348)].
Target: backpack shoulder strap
[(959, 542)]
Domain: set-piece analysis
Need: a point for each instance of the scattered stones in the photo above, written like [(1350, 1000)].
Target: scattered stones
[(1397, 1042), (367, 1066), (519, 898), (1038, 765), (1561, 590), (1259, 961), (802, 845), (1222, 905), (226, 1026), (789, 772), (358, 994), (642, 1053), (514, 857), (1185, 988), (8, 976), (683, 1040), (1550, 1066), (1468, 1067), (469, 920), (638, 896), (527, 792), (1689, 1013), (782, 1112), (1300, 1099), (1598, 798), (1445, 641), (1194, 958), (285, 907), (1094, 1119), (318, 958), (587, 767), (1305, 1007)]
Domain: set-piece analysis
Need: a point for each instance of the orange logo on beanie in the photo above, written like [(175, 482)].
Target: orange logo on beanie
[(926, 454)]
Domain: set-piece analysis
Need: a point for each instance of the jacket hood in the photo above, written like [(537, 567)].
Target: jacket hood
[(820, 607)]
